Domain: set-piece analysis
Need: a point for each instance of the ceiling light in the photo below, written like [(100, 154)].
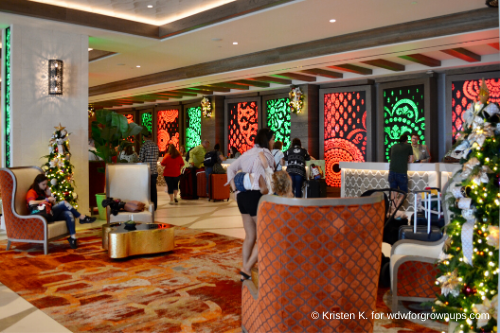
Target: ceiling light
[(333, 20), (150, 6), (138, 66), (90, 49), (235, 43)]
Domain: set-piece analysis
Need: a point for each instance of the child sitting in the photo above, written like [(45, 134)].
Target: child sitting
[(316, 172), (243, 181)]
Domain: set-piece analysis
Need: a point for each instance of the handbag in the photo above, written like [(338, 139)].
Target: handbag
[(35, 210), (218, 169), (134, 206)]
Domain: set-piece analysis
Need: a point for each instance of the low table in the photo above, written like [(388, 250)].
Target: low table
[(144, 238)]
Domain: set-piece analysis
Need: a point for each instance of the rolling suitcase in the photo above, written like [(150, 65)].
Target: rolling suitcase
[(201, 184), (217, 189), (422, 220), (316, 188), (188, 184), (427, 232)]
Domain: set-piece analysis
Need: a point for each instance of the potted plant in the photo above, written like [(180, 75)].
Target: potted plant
[(110, 131)]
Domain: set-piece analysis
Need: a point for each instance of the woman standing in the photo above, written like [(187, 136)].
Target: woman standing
[(248, 201), (296, 157), (420, 152), (173, 163), (278, 155)]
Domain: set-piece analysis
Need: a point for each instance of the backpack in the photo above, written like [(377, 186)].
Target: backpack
[(210, 158)]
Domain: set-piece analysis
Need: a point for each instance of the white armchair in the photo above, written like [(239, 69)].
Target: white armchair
[(130, 181)]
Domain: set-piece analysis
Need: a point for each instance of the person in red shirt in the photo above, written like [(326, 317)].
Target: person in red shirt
[(41, 202), (173, 163)]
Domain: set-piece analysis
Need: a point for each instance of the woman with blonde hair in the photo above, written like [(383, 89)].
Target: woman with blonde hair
[(173, 163)]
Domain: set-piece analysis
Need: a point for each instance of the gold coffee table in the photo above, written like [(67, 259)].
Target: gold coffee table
[(143, 238)]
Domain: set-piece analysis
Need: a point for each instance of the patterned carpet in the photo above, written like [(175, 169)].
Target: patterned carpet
[(192, 289)]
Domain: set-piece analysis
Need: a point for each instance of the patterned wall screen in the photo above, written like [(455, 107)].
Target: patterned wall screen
[(345, 131), (278, 119), (403, 114), (168, 129), (463, 93), (243, 125), (193, 127), (7, 98), (130, 119), (147, 122)]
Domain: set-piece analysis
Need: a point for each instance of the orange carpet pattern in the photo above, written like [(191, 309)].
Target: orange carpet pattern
[(194, 288)]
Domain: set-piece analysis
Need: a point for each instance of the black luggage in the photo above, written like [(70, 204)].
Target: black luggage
[(407, 232), (422, 220), (316, 188), (188, 184)]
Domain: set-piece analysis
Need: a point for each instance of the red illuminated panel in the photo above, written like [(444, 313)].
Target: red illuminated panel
[(463, 93), (243, 125), (345, 131), (168, 129), (130, 119)]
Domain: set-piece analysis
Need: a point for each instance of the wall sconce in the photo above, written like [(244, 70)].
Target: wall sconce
[(55, 77)]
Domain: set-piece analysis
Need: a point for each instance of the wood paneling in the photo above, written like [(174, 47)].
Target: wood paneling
[(457, 23), (212, 88), (252, 83), (272, 79), (422, 59), (229, 85), (463, 54)]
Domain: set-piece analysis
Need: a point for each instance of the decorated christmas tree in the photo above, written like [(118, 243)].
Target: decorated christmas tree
[(469, 262), (58, 168)]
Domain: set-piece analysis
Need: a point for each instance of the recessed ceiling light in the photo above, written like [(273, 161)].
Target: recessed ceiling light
[(138, 66), (150, 6), (90, 49), (235, 43), (333, 20)]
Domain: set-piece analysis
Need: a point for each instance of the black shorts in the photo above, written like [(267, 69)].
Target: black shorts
[(248, 202), (172, 184)]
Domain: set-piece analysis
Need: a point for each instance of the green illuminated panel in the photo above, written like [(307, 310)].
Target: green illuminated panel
[(278, 120), (193, 127), (403, 114), (7, 97), (147, 121)]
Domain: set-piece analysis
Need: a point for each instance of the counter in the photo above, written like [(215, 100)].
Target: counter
[(360, 177)]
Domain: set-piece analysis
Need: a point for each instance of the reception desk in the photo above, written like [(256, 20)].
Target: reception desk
[(360, 177)]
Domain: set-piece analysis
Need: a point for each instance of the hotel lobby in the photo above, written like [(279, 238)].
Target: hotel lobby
[(114, 90)]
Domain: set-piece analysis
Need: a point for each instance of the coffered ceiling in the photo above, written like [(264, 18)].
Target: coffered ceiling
[(155, 12)]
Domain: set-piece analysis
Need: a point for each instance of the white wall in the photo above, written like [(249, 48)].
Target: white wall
[(35, 112)]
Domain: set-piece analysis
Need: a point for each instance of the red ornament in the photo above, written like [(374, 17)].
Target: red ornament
[(66, 193), (468, 291)]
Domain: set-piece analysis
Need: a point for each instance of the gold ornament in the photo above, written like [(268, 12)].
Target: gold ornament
[(60, 127), (492, 238), (450, 284), (484, 93), (489, 307)]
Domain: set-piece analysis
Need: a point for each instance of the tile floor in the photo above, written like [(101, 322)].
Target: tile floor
[(17, 315)]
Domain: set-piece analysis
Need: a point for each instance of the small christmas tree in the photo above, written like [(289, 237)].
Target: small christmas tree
[(469, 262), (59, 169)]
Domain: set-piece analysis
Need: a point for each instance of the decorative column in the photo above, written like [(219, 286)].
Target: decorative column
[(305, 125)]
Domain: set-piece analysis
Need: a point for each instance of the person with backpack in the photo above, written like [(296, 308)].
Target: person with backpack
[(212, 159)]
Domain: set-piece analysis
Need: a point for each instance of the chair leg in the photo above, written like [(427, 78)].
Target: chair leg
[(45, 247), (8, 245), (394, 302)]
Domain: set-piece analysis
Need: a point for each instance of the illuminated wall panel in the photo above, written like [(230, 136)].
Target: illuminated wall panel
[(130, 119), (7, 97), (168, 129), (403, 114), (193, 127), (243, 125), (345, 134), (147, 122), (279, 120), (464, 93)]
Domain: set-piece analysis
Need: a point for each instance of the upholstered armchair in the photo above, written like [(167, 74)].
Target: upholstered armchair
[(20, 226), (130, 181), (315, 255)]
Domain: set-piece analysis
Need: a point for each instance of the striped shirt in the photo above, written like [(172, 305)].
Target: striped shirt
[(149, 154)]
